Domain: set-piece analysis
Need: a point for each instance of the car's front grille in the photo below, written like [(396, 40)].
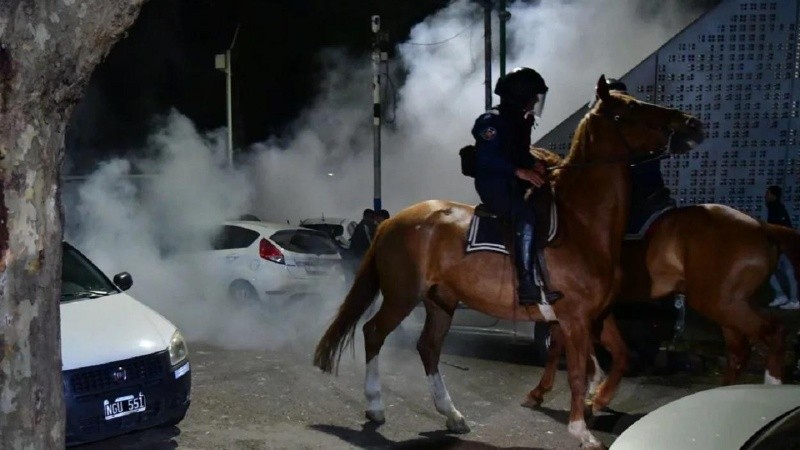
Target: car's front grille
[(114, 375)]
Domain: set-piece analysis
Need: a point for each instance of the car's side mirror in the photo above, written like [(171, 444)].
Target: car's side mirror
[(123, 280)]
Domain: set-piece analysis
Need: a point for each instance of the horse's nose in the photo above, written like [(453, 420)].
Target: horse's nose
[(696, 129), (694, 123)]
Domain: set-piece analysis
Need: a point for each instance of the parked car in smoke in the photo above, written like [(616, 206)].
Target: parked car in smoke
[(124, 366), (644, 327), (471, 324), (338, 228), (268, 262)]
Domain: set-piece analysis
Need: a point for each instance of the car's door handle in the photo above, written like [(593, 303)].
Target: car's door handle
[(232, 257)]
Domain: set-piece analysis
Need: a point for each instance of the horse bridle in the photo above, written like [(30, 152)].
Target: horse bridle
[(617, 119)]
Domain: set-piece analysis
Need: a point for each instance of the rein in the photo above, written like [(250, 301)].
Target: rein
[(664, 153)]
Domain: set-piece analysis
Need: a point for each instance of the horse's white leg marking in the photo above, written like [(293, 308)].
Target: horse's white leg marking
[(443, 403), (598, 377), (769, 379), (578, 429), (441, 398), (372, 387)]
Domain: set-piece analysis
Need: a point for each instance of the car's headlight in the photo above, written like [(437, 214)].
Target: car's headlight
[(178, 351)]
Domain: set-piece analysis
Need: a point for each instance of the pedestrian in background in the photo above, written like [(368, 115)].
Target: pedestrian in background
[(359, 244), (777, 214)]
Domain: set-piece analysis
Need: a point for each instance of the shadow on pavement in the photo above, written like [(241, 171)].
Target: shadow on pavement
[(369, 437), (608, 421), (151, 439)]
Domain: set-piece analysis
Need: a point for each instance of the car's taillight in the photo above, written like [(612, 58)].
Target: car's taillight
[(270, 252)]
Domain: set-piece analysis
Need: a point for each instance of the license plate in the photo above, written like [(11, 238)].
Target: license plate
[(123, 406), (317, 268)]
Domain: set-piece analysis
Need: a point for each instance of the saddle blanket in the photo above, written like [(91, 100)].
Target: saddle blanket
[(486, 234)]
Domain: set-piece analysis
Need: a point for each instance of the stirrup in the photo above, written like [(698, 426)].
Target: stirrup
[(550, 297)]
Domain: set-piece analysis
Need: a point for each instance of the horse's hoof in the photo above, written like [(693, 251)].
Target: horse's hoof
[(375, 416), (531, 402), (458, 426)]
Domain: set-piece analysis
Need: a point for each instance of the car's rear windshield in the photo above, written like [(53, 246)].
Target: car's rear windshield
[(79, 276), (305, 241), (329, 229)]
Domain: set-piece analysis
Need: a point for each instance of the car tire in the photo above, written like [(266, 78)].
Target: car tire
[(242, 293), (176, 420), (541, 341)]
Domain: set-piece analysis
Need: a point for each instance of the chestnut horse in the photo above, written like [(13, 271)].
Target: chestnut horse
[(418, 255), (718, 258)]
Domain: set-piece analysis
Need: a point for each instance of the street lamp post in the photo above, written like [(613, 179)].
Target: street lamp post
[(223, 62)]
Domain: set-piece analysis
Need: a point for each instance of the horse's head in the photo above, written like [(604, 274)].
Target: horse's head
[(646, 128)]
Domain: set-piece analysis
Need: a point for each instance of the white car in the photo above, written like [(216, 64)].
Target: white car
[(262, 261), (338, 228), (746, 417), (124, 366)]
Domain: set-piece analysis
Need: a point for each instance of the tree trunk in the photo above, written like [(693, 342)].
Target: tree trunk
[(48, 49)]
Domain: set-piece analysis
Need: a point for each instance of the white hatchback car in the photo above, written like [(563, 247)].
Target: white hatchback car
[(124, 366), (338, 228), (262, 261)]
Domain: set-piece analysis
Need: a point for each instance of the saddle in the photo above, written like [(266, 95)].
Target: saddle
[(645, 211), (491, 232)]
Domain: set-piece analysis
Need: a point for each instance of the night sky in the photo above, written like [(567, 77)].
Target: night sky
[(167, 60)]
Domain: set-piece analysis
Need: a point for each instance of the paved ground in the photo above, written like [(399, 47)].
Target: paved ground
[(245, 399)]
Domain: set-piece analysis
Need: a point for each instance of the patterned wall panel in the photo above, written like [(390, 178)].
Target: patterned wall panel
[(737, 68)]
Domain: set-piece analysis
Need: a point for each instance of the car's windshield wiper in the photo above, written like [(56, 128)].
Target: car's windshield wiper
[(88, 293)]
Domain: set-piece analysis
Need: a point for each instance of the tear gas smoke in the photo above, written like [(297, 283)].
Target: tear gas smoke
[(142, 225)]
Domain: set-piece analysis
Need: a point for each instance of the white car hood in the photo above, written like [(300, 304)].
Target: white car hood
[(720, 418), (111, 328)]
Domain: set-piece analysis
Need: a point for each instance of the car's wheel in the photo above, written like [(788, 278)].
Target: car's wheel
[(541, 335), (175, 421), (242, 292)]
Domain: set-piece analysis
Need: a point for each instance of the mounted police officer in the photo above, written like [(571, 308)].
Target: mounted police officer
[(505, 169), (649, 192)]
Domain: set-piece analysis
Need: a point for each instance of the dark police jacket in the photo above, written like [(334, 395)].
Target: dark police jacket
[(502, 142), (777, 214)]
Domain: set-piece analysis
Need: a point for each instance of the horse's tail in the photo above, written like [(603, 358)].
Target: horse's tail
[(358, 300), (789, 242)]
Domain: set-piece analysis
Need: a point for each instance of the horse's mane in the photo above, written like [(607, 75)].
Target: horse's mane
[(576, 151), (549, 158)]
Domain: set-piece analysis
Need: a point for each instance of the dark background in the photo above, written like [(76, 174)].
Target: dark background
[(167, 60)]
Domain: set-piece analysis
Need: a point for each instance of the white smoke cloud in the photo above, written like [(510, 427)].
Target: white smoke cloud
[(570, 42), (323, 164)]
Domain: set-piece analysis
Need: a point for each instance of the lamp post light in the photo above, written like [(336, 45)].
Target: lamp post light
[(222, 61)]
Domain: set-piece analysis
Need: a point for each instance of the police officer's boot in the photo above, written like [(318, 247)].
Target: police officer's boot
[(527, 290), (549, 296)]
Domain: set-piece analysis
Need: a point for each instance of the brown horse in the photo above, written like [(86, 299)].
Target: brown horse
[(418, 255), (718, 258)]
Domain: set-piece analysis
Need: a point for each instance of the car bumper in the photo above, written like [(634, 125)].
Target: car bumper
[(166, 390)]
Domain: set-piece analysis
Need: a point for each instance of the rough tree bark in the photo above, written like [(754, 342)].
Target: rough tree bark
[(48, 49)]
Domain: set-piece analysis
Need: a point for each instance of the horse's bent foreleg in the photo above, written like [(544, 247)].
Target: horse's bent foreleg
[(577, 339), (738, 317), (611, 339), (393, 310), (429, 346), (536, 396)]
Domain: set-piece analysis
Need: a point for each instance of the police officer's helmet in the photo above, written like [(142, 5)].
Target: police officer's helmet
[(616, 85), (520, 86)]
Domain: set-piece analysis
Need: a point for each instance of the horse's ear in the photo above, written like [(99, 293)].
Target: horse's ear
[(602, 88)]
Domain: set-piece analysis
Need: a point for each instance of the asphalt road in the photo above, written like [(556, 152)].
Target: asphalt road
[(251, 399)]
